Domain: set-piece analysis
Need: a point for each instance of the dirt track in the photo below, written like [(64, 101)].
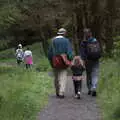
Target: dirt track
[(70, 108)]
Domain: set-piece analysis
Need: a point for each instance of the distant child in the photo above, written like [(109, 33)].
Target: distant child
[(77, 70), (28, 58), (19, 54)]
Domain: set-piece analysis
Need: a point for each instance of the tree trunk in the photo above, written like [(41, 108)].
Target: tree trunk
[(110, 13), (75, 37), (96, 18), (44, 43)]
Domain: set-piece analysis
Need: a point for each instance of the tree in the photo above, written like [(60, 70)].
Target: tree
[(109, 20), (29, 21)]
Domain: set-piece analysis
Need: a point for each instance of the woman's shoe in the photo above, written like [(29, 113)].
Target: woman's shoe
[(94, 93), (61, 96)]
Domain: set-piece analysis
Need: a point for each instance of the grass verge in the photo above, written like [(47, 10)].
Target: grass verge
[(109, 89), (22, 93)]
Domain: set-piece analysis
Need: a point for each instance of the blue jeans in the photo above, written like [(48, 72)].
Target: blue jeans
[(92, 71)]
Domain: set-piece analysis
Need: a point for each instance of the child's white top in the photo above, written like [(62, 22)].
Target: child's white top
[(27, 53), (19, 53)]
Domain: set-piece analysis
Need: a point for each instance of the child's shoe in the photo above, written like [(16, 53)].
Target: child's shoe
[(78, 95)]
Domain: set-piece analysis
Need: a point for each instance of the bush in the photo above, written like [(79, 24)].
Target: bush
[(7, 54), (43, 65), (4, 44), (116, 50)]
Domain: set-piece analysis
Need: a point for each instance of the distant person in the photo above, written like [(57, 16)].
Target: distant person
[(77, 70), (60, 52), (90, 52), (19, 54), (28, 58)]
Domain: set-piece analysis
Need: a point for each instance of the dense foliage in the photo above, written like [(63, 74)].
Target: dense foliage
[(28, 21)]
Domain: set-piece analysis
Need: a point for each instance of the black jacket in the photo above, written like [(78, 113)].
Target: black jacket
[(77, 70)]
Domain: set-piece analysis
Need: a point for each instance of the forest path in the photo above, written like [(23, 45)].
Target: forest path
[(70, 108)]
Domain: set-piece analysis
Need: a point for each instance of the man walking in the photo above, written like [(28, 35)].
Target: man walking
[(90, 52), (60, 45)]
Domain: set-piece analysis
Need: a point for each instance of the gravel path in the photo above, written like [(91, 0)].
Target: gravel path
[(70, 108)]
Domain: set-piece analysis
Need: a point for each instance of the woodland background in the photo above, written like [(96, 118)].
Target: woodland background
[(30, 21), (23, 94)]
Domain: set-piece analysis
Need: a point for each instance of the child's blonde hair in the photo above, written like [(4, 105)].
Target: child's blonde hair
[(78, 61)]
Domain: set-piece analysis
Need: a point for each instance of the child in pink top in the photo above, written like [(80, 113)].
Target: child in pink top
[(28, 58)]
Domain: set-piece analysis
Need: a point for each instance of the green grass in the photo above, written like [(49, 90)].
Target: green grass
[(23, 93), (39, 60), (109, 89), (7, 54)]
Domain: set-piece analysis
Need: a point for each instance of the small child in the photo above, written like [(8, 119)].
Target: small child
[(28, 58), (77, 70), (19, 54)]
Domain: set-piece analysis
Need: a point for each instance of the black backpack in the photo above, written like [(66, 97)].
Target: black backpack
[(93, 50)]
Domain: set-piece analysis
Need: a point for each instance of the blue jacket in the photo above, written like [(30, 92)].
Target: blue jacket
[(60, 45)]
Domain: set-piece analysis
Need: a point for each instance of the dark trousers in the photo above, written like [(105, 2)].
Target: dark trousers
[(19, 62), (28, 66), (92, 70), (77, 85)]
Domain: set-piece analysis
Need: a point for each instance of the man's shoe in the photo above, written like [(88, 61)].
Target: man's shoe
[(57, 95), (61, 96), (89, 92), (94, 94)]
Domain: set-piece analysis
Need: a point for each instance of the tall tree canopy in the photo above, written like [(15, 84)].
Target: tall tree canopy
[(28, 21)]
